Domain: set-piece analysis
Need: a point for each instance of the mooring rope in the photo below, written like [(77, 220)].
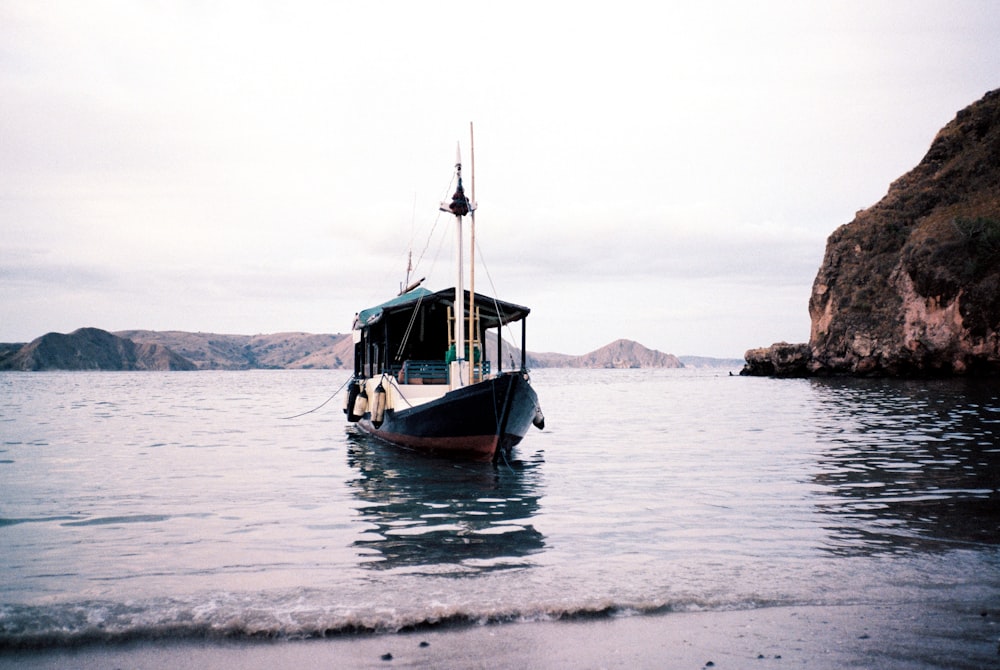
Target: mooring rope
[(395, 385), (285, 418), (503, 455)]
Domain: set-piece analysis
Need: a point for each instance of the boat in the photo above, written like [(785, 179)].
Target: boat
[(422, 379)]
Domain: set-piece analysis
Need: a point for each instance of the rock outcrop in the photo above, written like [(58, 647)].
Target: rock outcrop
[(778, 360), (92, 349), (911, 287)]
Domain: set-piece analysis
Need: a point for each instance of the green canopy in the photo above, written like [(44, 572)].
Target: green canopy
[(492, 312), (373, 315)]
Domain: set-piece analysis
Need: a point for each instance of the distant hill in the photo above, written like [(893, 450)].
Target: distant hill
[(212, 351), (8, 349), (618, 354), (90, 349), (94, 349)]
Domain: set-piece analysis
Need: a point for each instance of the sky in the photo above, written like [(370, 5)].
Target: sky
[(662, 172)]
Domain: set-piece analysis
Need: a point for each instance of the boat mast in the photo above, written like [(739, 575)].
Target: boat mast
[(459, 206), (472, 248)]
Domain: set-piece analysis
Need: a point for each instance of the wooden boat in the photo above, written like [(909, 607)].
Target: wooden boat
[(421, 376)]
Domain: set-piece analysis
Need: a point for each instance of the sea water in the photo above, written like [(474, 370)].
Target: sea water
[(188, 505)]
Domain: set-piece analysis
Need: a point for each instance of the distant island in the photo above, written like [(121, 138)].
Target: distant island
[(96, 349)]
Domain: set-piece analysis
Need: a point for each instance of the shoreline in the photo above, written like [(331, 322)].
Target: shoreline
[(815, 636)]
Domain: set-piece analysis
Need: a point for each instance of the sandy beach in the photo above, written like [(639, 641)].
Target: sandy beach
[(779, 637)]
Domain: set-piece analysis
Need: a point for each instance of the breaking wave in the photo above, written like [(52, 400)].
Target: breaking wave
[(231, 617)]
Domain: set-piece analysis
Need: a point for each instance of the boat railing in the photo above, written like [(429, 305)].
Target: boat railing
[(435, 372), (484, 370), (424, 372)]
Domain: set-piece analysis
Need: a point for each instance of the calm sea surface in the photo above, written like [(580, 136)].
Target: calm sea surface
[(183, 505)]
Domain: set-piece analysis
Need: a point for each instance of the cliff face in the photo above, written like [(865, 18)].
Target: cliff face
[(912, 285), (93, 349)]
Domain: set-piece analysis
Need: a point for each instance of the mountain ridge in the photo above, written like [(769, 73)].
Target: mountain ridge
[(90, 349), (95, 349)]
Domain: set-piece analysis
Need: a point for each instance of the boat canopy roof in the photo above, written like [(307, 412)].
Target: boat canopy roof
[(492, 312)]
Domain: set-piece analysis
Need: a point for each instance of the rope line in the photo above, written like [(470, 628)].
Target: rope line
[(430, 235), (503, 454), (496, 306), (395, 385), (285, 418), (409, 329)]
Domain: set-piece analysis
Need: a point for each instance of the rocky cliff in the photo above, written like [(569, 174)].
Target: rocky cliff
[(911, 286), (92, 349)]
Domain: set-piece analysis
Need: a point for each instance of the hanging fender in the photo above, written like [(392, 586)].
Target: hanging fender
[(378, 405), (353, 391), (360, 402), (539, 419)]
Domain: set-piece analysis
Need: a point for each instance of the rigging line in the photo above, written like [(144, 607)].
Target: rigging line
[(409, 328), (496, 306), (437, 220), (427, 243), (285, 418), (442, 238), (407, 251)]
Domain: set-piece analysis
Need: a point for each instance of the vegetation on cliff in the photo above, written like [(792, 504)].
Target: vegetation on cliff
[(912, 285)]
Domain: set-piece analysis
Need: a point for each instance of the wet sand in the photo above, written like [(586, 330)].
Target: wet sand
[(861, 636)]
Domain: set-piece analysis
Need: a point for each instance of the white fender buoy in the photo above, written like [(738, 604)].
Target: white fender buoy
[(352, 397), (361, 402), (378, 406)]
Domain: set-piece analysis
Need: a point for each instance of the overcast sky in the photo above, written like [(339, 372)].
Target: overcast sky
[(663, 172)]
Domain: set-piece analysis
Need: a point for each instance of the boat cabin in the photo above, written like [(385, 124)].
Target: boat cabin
[(411, 337)]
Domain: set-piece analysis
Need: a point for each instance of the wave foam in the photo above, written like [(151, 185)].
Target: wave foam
[(234, 617)]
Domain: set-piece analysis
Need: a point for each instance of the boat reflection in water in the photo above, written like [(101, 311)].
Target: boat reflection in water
[(910, 465), (439, 516)]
